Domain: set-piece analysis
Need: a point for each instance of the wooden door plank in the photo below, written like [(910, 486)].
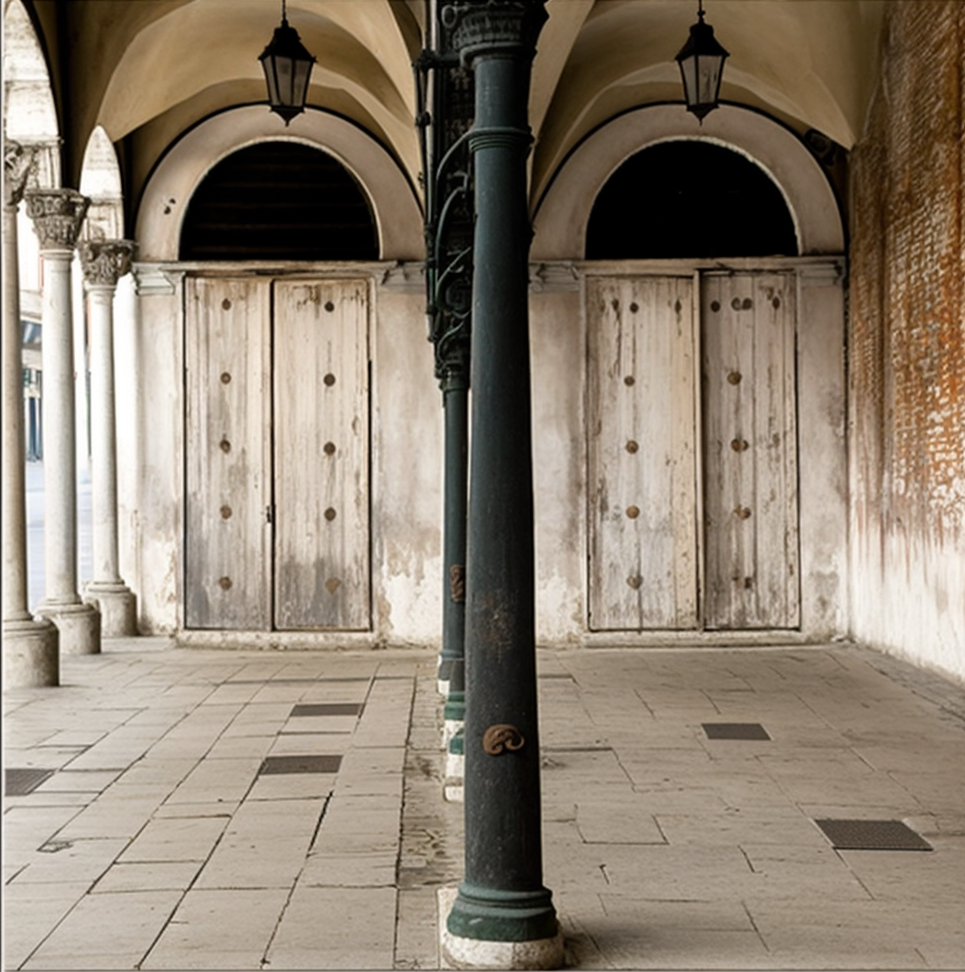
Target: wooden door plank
[(321, 439), (226, 559), (750, 449), (641, 451)]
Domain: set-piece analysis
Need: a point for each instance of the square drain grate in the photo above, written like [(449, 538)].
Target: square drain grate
[(300, 764), (735, 730), (328, 709), (20, 782), (872, 835)]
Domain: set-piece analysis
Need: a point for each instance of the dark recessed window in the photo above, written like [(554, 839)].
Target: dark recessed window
[(279, 201), (689, 199)]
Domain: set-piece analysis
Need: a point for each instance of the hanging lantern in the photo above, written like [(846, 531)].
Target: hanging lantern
[(288, 67), (701, 62)]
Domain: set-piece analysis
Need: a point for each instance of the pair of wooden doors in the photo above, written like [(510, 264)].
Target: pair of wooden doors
[(276, 454), (692, 452)]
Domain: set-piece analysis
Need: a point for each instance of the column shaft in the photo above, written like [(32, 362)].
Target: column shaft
[(104, 262), (103, 439), (57, 215), (29, 646), (14, 490), (60, 465)]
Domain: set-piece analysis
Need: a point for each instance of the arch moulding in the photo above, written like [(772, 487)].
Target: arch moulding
[(563, 213), (168, 191)]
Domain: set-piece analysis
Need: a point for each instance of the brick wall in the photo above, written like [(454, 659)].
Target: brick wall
[(907, 343)]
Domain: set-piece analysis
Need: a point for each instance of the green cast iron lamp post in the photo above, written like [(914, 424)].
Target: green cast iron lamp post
[(503, 916)]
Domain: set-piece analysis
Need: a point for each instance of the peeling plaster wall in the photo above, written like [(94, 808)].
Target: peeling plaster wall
[(907, 345)]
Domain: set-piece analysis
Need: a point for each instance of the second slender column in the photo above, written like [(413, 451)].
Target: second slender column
[(57, 215), (104, 263)]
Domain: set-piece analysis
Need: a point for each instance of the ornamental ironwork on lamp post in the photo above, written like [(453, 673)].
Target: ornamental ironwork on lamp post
[(503, 916), (445, 101)]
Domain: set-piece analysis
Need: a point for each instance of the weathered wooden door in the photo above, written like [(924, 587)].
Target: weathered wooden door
[(321, 455), (750, 451), (276, 443), (643, 515), (664, 446), (227, 550)]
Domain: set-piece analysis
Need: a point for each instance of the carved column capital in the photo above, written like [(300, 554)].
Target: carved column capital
[(17, 162), (105, 261), (494, 26), (57, 216)]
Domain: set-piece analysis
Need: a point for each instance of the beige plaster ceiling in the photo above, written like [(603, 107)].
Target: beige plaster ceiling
[(149, 70)]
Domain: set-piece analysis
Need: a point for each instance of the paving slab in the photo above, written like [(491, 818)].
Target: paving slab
[(218, 929), (336, 928), (106, 931)]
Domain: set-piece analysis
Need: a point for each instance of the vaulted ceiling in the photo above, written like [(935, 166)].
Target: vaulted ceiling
[(146, 71)]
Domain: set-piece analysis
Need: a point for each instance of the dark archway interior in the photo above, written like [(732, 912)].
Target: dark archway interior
[(689, 199), (279, 201)]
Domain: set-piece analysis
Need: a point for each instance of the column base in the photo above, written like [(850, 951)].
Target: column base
[(117, 605), (444, 671), (461, 952), (450, 728), (30, 654), (455, 777), (78, 625)]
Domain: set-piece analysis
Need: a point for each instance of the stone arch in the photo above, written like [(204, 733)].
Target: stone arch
[(29, 114), (562, 214), (100, 180), (165, 201), (279, 201)]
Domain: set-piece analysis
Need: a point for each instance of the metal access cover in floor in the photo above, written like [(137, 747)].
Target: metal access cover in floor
[(328, 709), (872, 835), (735, 730), (300, 764), (20, 782)]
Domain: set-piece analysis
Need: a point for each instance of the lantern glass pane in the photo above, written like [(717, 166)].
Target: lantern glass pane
[(269, 66), (303, 70), (688, 72), (284, 66), (709, 77)]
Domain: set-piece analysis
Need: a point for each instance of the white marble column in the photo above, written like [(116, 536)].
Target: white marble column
[(57, 215), (104, 263), (30, 656)]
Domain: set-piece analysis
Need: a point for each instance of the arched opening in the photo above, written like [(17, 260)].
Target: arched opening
[(689, 199), (279, 201)]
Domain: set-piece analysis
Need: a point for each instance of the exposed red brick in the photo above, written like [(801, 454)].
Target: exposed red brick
[(907, 335)]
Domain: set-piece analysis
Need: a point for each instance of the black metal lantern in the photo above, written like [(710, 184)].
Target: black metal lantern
[(701, 62), (288, 67)]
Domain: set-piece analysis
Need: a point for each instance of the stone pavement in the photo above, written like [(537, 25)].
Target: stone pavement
[(198, 809)]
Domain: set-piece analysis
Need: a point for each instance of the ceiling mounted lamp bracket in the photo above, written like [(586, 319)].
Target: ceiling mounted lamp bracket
[(288, 68), (701, 62)]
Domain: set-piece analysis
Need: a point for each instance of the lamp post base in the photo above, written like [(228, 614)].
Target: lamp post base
[(78, 625), (494, 929), (460, 952), (472, 953), (117, 605), (30, 656)]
